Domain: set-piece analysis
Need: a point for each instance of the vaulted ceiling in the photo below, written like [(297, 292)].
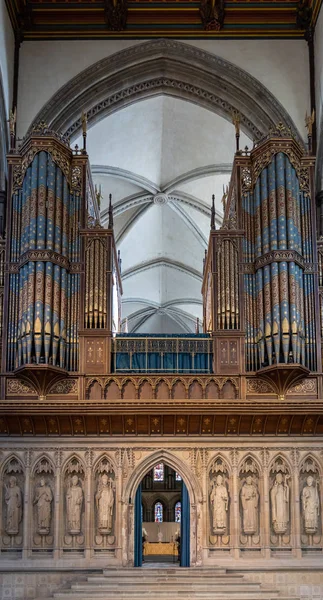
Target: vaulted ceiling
[(162, 159), (85, 19)]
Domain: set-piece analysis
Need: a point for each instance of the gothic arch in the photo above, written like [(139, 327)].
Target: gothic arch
[(252, 457), (310, 457), (8, 460), (163, 455), (166, 67), (195, 495), (38, 461)]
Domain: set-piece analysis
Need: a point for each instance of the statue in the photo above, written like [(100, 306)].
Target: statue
[(310, 505), (105, 503), (74, 500), (115, 12), (212, 14), (43, 499), (13, 500), (249, 499), (279, 496), (220, 500)]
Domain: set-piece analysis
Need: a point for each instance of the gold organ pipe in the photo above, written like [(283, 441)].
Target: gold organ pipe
[(218, 284), (104, 267), (96, 286)]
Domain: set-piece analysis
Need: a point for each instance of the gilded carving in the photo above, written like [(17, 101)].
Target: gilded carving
[(16, 387), (66, 386), (258, 386)]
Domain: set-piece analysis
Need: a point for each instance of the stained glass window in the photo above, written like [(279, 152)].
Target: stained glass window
[(159, 472), (178, 512), (178, 477), (158, 512)]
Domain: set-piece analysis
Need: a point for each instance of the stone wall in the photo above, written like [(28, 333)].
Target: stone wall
[(77, 501)]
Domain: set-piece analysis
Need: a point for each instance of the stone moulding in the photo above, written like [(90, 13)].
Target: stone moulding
[(153, 68)]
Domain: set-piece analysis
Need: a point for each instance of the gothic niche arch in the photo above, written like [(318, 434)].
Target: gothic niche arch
[(13, 478), (104, 489), (219, 503), (310, 474), (280, 502), (167, 67), (128, 502), (73, 505), (249, 482), (43, 487)]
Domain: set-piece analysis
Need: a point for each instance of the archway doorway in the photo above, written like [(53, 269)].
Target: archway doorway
[(162, 518)]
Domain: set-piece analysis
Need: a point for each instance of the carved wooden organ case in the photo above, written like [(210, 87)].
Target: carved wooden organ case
[(260, 285), (61, 266)]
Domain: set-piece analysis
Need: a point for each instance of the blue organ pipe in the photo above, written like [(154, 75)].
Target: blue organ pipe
[(48, 332), (272, 205), (281, 206), (268, 323), (62, 344)]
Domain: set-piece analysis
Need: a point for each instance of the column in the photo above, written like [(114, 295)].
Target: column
[(58, 524), (88, 503), (235, 525), (296, 508), (27, 517), (266, 504)]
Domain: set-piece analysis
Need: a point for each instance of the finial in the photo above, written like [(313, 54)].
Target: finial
[(224, 197), (236, 119), (197, 327), (12, 126), (110, 224), (98, 195), (309, 120), (213, 214), (84, 129)]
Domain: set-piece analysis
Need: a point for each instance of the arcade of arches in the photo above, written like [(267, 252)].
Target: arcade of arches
[(161, 305)]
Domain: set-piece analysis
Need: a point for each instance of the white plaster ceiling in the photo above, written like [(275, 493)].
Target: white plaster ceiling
[(162, 145)]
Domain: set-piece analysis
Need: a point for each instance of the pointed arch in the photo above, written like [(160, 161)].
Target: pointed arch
[(173, 461), (168, 67), (44, 456), (8, 460)]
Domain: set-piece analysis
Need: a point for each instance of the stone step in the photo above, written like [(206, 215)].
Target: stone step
[(167, 584), (237, 594), (225, 586)]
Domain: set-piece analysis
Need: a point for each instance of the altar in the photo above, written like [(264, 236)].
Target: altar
[(160, 548)]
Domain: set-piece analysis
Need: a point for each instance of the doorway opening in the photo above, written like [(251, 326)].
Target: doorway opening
[(162, 519)]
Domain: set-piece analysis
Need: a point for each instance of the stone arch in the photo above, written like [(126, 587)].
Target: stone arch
[(38, 461), (8, 460), (4, 138), (129, 493), (310, 457), (284, 458), (166, 67), (102, 457), (221, 457), (70, 458), (177, 464), (253, 458)]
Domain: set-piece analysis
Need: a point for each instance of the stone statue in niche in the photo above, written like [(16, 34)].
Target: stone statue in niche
[(249, 500), (13, 500), (74, 501), (279, 495), (43, 500), (105, 503), (219, 499), (310, 505)]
